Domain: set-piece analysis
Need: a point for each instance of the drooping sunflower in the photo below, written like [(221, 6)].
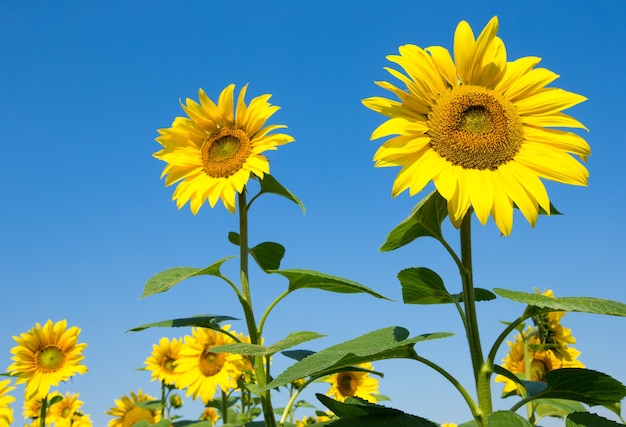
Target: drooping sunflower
[(65, 410), (161, 361), (484, 130), (353, 383), (212, 152), (127, 412), (542, 360), (6, 412), (45, 356), (202, 372)]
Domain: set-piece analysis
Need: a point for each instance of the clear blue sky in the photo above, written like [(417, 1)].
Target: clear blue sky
[(85, 220)]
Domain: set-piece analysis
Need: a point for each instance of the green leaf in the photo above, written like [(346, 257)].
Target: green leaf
[(355, 412), (301, 279), (421, 285), (291, 340), (573, 304), (233, 238), (585, 419), (532, 387), (202, 321), (557, 407), (584, 385), (187, 423), (506, 418), (480, 294), (425, 220), (269, 184), (144, 423), (164, 280), (386, 343), (268, 255), (297, 354)]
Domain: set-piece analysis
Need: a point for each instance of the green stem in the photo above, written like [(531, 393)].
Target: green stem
[(246, 302), (288, 408), (498, 342), (163, 399), (482, 373), (42, 411), (269, 308), (224, 407)]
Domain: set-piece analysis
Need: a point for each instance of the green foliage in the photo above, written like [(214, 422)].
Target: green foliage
[(291, 340), (202, 321), (186, 423), (269, 184), (268, 255), (386, 343), (164, 280), (585, 419), (302, 279), (508, 419), (421, 285), (584, 385), (162, 423), (556, 407), (424, 221)]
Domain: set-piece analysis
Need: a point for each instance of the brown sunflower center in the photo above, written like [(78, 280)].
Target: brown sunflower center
[(346, 384), (224, 152), (475, 128), (50, 359), (137, 414), (211, 363)]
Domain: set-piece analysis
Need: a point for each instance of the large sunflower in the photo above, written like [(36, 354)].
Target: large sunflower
[(479, 127), (203, 372), (212, 153), (45, 356), (127, 412), (161, 361), (6, 412), (353, 383)]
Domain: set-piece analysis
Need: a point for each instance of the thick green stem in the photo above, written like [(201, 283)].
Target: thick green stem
[(246, 301), (42, 411), (482, 372)]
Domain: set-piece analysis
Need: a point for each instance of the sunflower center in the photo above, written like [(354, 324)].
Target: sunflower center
[(475, 128), (137, 414), (66, 412), (225, 152), (168, 364), (50, 359), (211, 363), (346, 384)]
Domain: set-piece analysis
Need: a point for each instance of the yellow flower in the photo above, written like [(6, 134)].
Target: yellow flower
[(63, 412), (448, 425), (203, 372), (81, 421), (6, 413), (479, 127), (319, 418), (128, 412), (45, 356), (552, 332), (161, 361), (353, 383), (212, 153), (209, 414), (542, 360), (32, 407)]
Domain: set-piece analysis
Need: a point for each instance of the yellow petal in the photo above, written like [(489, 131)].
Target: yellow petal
[(464, 51), (548, 101)]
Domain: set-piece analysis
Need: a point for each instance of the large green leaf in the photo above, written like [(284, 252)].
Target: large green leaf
[(508, 419), (421, 285), (574, 304), (269, 184), (164, 280), (291, 340), (584, 385), (557, 407), (268, 255), (201, 321), (386, 343), (425, 220), (585, 419), (301, 279)]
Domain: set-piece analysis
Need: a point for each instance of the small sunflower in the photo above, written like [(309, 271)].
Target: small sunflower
[(209, 414), (212, 152), (353, 383), (481, 128), (82, 421), (64, 411), (127, 412), (32, 407), (45, 356), (6, 412), (161, 361), (315, 419), (203, 372)]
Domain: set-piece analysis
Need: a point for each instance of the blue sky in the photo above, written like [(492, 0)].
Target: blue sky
[(86, 220)]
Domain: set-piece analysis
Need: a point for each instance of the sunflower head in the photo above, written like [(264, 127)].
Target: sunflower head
[(353, 383), (45, 356), (127, 411), (6, 412), (161, 362), (479, 127), (213, 152)]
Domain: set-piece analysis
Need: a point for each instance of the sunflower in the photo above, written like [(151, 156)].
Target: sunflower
[(353, 383), (6, 413), (542, 360), (64, 411), (161, 361), (82, 421), (203, 372), (212, 153), (128, 412), (315, 419), (209, 414), (481, 128), (32, 407), (552, 332), (45, 356)]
